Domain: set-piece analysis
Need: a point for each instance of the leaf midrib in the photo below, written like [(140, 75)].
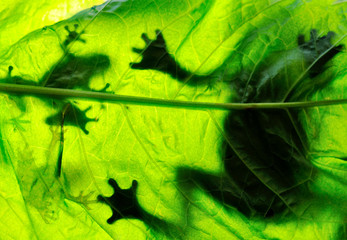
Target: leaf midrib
[(158, 102)]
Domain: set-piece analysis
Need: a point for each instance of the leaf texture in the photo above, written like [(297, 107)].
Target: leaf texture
[(74, 168)]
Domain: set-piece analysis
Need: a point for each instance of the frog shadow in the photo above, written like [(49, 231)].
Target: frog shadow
[(72, 72), (265, 167)]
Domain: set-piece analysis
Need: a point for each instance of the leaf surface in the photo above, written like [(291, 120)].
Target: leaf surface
[(92, 168)]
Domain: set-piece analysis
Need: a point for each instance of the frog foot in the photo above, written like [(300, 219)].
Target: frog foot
[(72, 113), (84, 119), (48, 215), (155, 56), (153, 53), (73, 35), (82, 199)]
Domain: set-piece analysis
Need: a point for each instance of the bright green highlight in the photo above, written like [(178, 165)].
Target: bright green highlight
[(147, 125)]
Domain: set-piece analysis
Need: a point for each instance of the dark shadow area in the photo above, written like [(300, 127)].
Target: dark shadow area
[(265, 158), (75, 72), (266, 171), (316, 47)]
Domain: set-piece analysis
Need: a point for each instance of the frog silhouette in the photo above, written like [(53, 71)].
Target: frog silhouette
[(72, 72), (266, 172)]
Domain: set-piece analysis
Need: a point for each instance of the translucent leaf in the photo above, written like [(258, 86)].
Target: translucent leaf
[(173, 120)]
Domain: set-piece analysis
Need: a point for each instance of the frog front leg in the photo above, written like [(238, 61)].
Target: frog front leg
[(73, 35), (123, 202), (71, 115), (155, 56), (318, 51)]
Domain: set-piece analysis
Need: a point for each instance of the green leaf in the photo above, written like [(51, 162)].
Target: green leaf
[(19, 18), (183, 119)]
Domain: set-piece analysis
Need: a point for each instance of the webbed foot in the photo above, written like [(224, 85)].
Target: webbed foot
[(73, 35)]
